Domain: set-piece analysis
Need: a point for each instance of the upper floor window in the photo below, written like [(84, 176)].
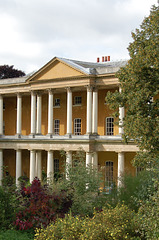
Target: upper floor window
[(77, 100), (57, 102), (110, 126), (77, 126), (56, 126), (109, 173)]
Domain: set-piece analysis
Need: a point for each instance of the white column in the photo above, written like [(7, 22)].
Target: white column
[(95, 112), (1, 166), (69, 111), (68, 162), (1, 115), (50, 113), (89, 110), (32, 165), (18, 165), (38, 165), (38, 124), (33, 113), (120, 168), (95, 160), (88, 159), (121, 117), (19, 113), (50, 165)]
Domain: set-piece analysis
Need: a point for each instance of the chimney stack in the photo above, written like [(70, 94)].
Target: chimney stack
[(104, 59)]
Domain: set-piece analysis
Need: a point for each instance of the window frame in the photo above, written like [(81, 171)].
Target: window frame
[(76, 101), (76, 127), (57, 102), (109, 125), (109, 179), (56, 128)]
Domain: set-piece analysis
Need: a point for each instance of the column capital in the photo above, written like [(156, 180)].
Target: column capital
[(69, 89), (89, 88), (50, 90)]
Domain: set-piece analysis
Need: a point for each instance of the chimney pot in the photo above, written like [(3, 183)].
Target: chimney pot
[(98, 59), (108, 58), (102, 59), (105, 59)]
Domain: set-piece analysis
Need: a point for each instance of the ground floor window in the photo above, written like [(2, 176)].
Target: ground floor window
[(109, 174), (77, 126)]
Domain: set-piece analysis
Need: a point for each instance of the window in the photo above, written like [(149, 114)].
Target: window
[(56, 165), (56, 126), (77, 126), (4, 106), (138, 170), (77, 100), (109, 173), (109, 126), (57, 102)]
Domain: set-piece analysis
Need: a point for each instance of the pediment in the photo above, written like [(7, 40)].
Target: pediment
[(56, 69)]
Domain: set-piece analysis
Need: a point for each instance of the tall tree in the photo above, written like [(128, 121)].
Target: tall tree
[(139, 81), (9, 72)]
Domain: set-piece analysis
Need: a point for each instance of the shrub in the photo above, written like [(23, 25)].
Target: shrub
[(7, 208), (38, 207), (136, 190), (117, 223), (15, 235)]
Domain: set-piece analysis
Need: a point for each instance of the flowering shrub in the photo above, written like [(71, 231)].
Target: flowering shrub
[(114, 223), (39, 207)]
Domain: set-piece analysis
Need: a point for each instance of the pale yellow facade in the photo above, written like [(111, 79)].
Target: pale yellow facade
[(67, 98)]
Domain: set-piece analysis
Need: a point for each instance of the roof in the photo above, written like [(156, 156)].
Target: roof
[(95, 68), (89, 68)]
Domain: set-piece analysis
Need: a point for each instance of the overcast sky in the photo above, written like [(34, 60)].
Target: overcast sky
[(35, 31)]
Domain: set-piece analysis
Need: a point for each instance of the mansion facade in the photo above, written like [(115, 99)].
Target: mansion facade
[(62, 107)]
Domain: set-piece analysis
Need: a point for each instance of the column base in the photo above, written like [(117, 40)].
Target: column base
[(32, 135), (18, 135), (50, 135), (68, 135)]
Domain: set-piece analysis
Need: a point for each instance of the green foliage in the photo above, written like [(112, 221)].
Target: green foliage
[(139, 81), (137, 190), (82, 185), (148, 218), (113, 223), (7, 208), (15, 235)]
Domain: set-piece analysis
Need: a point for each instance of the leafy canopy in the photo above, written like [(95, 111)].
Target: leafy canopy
[(139, 81), (9, 72)]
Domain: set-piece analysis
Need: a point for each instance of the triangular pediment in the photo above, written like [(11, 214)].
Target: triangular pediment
[(56, 69)]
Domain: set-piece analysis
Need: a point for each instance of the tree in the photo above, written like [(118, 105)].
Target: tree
[(9, 72), (139, 81)]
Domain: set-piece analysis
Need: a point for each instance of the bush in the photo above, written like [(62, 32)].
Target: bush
[(7, 208), (148, 217), (38, 207), (15, 235), (117, 223), (136, 190)]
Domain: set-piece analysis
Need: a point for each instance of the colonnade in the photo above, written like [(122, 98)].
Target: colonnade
[(36, 164), (36, 113)]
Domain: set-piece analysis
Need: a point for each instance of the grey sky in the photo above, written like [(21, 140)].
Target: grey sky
[(34, 31)]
